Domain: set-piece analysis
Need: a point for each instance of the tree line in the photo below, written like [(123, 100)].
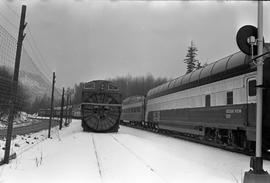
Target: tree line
[(25, 101), (139, 85), (128, 85), (6, 84)]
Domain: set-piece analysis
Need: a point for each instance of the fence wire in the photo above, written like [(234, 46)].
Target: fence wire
[(33, 87)]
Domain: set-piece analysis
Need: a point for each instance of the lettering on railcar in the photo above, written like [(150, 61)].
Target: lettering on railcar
[(233, 111)]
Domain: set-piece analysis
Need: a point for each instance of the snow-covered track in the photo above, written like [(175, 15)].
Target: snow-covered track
[(139, 158)]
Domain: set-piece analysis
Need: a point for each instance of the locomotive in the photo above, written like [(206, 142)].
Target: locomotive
[(101, 106), (216, 103)]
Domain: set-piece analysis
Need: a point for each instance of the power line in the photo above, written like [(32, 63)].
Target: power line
[(33, 40), (15, 41), (6, 31), (12, 24), (34, 45), (7, 44), (39, 53), (7, 19), (33, 51), (12, 9)]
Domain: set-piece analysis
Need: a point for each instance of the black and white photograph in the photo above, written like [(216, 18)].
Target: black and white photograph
[(134, 91)]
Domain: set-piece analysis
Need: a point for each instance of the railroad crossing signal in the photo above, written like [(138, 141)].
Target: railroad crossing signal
[(245, 36)]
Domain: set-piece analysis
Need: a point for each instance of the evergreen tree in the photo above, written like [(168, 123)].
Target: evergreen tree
[(199, 65), (190, 60)]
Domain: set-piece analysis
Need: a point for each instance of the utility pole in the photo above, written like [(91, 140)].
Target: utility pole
[(14, 84), (70, 109), (52, 98), (67, 93), (258, 175), (62, 109), (259, 79)]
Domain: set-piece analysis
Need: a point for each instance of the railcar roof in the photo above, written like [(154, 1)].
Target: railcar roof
[(91, 85), (133, 99), (221, 66), (98, 81)]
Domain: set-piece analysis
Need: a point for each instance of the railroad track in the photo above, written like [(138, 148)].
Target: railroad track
[(35, 126), (139, 158), (266, 156)]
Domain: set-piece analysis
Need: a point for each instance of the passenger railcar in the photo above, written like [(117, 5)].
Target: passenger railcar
[(67, 111), (133, 110), (216, 103), (101, 106)]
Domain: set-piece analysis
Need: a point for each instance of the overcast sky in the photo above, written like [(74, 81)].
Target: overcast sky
[(83, 40)]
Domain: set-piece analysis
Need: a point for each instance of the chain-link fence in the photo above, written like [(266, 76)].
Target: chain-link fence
[(34, 85), (7, 58)]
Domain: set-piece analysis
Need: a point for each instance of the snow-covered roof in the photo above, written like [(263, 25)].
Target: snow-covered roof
[(133, 99), (224, 65)]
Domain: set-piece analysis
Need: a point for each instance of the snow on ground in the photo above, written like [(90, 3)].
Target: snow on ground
[(128, 156), (176, 159), (64, 158)]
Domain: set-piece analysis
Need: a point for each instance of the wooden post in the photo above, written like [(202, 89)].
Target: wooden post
[(14, 84), (66, 110), (70, 110), (51, 113), (62, 109)]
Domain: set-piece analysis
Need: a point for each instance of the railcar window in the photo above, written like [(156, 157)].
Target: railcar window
[(90, 85), (252, 88), (207, 101), (112, 87), (229, 98)]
